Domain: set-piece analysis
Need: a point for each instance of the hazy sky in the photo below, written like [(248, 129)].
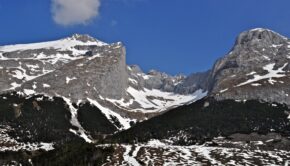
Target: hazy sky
[(174, 36)]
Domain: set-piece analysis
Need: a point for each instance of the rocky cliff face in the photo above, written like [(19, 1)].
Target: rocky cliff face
[(86, 77), (194, 82), (256, 68), (76, 67)]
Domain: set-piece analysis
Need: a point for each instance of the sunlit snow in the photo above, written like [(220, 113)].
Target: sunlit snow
[(271, 74), (125, 122)]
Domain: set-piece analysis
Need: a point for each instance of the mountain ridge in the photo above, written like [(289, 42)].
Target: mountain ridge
[(81, 69), (73, 60), (78, 93)]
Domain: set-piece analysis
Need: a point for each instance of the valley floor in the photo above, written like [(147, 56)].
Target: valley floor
[(157, 153)]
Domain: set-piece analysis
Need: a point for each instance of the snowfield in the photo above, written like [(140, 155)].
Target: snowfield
[(61, 45), (155, 100), (270, 75)]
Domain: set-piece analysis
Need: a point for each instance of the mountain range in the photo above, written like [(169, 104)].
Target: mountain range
[(79, 89)]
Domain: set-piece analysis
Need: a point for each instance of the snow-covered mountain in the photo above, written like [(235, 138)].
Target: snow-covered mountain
[(82, 69), (257, 67), (58, 96)]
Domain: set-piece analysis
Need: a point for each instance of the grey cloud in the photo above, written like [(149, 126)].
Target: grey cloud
[(73, 12)]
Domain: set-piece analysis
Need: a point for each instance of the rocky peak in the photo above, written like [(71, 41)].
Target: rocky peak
[(192, 82), (84, 38), (260, 36), (254, 48), (256, 68), (157, 74), (135, 69)]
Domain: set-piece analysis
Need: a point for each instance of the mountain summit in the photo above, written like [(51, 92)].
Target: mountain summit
[(256, 68), (260, 36)]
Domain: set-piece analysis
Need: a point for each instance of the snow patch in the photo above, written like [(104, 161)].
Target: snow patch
[(121, 102), (29, 92), (160, 100), (256, 84), (74, 121), (125, 122), (131, 161), (267, 58), (67, 44), (224, 90), (252, 73), (271, 74), (133, 81), (46, 85), (146, 77), (14, 85), (68, 79)]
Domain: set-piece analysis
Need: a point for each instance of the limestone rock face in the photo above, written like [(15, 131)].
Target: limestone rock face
[(194, 82), (76, 67), (178, 84), (87, 77), (256, 68), (155, 80)]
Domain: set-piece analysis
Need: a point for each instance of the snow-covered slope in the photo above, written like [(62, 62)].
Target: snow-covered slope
[(155, 100), (66, 44)]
